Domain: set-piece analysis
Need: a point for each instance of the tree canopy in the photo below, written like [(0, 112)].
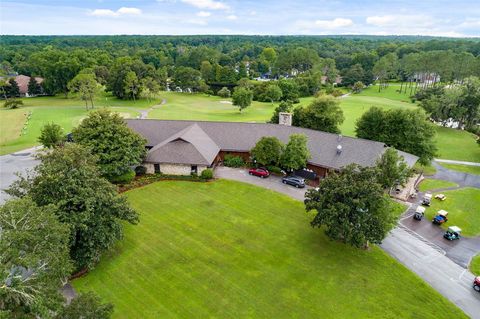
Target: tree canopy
[(68, 178), (107, 136), (296, 153), (323, 114), (268, 150), (352, 207), (34, 259), (405, 130)]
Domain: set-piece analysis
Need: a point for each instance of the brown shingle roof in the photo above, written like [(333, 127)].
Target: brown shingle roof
[(190, 145), (242, 137)]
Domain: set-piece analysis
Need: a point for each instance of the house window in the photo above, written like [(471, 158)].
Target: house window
[(156, 167), (194, 169)]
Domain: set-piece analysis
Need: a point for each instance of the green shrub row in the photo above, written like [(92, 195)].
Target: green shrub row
[(233, 161)]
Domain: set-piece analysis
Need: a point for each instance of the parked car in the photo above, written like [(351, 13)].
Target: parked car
[(427, 199), (419, 213), (293, 180), (260, 172), (452, 233), (441, 197), (440, 218), (476, 284)]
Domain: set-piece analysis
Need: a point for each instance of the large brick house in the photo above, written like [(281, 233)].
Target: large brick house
[(182, 147)]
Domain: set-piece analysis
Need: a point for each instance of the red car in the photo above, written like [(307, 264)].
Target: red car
[(260, 172)]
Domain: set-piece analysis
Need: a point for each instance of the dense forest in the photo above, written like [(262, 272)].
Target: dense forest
[(291, 66)]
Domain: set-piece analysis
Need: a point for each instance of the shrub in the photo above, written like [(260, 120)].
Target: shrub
[(140, 170), (224, 92), (122, 179), (274, 169), (206, 174), (13, 104), (336, 93), (233, 161)]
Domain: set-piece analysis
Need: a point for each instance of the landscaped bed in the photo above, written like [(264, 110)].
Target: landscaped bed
[(231, 250), (462, 206)]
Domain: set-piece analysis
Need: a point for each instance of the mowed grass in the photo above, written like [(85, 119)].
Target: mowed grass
[(390, 92), (475, 170), (457, 145), (431, 184), (184, 106), (65, 112), (226, 249), (462, 206), (475, 265)]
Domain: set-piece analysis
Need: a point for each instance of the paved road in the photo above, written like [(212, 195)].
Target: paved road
[(460, 251), (462, 179), (13, 163), (426, 259), (445, 276)]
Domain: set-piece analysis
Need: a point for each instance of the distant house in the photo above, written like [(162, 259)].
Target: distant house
[(22, 81), (183, 147)]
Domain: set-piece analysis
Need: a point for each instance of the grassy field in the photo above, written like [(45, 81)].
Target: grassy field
[(463, 168), (65, 112), (230, 250), (475, 265), (462, 207), (428, 170), (212, 108), (457, 145), (390, 92), (429, 184)]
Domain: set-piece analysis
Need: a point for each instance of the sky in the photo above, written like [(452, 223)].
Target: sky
[(453, 18)]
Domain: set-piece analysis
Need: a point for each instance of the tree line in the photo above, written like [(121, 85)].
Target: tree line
[(130, 65)]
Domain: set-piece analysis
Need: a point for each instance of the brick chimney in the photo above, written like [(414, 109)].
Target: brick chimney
[(285, 118)]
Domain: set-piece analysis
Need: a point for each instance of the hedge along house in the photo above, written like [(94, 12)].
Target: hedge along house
[(182, 147)]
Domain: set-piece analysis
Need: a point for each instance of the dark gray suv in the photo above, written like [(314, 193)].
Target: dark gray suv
[(296, 181)]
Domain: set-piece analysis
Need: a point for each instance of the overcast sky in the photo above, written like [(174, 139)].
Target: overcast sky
[(455, 18)]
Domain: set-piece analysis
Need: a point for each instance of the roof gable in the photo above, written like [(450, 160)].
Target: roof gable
[(190, 146)]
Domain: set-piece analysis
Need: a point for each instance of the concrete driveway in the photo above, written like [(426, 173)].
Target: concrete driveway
[(426, 259), (13, 163), (272, 182)]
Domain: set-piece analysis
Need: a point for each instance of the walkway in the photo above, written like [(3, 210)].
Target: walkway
[(418, 254), (144, 113)]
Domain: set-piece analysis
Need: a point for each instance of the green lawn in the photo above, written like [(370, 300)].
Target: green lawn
[(475, 265), (390, 92), (463, 168), (457, 145), (181, 106), (355, 105), (462, 207), (431, 184), (231, 250), (65, 112)]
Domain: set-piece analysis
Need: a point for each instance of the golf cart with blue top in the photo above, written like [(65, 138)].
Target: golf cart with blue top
[(440, 218)]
